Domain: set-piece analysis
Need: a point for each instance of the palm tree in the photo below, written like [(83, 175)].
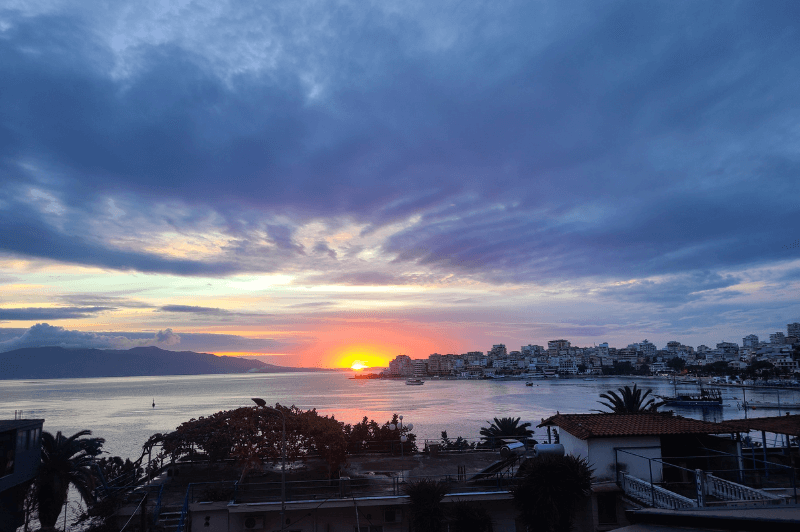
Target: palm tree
[(425, 496), (506, 427), (549, 489), (65, 462), (629, 401)]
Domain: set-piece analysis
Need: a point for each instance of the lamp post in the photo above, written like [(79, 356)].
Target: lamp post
[(403, 438), (263, 404)]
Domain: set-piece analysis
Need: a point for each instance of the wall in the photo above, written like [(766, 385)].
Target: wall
[(573, 445), (602, 457)]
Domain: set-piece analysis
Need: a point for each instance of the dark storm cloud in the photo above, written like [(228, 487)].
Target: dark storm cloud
[(55, 313), (613, 139)]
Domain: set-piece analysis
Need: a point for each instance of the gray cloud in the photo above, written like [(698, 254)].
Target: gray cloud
[(530, 144), (675, 290), (43, 334), (195, 310), (48, 313)]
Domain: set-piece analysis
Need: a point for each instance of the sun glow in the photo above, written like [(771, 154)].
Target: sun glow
[(360, 357)]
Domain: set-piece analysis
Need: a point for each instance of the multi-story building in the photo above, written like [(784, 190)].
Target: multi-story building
[(531, 350), (420, 367), (777, 338), (728, 349), (793, 329), (751, 341), (498, 351), (401, 366), (647, 348), (558, 345), (435, 364)]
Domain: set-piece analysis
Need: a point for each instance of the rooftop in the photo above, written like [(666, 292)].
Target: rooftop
[(585, 426), (789, 424), (16, 424)]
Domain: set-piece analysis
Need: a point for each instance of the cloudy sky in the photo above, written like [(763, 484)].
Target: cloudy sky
[(323, 181)]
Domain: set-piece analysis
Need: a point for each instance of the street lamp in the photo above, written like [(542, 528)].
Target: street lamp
[(403, 438), (263, 404)]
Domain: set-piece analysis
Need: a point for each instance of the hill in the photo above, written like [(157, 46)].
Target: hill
[(61, 363)]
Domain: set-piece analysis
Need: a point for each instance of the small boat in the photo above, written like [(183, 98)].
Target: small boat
[(415, 382), (711, 397)]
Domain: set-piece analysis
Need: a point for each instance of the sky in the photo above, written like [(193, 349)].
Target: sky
[(324, 182)]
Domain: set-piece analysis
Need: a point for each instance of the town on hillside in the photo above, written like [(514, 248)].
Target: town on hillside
[(777, 360)]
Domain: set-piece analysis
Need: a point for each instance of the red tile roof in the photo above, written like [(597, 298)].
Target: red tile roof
[(775, 424), (585, 426)]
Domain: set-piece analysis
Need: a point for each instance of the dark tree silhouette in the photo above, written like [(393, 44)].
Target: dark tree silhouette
[(506, 427), (425, 496), (65, 462), (465, 516), (549, 489), (629, 401)]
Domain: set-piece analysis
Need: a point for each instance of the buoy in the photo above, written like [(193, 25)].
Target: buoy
[(154, 402)]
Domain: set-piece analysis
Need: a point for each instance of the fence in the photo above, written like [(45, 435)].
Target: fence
[(342, 488), (674, 484)]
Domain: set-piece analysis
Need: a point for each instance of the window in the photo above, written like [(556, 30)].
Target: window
[(607, 508)]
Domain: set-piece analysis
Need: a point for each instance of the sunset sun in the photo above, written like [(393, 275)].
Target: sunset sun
[(358, 365)]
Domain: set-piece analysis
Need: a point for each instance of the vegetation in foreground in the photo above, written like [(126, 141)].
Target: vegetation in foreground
[(549, 490)]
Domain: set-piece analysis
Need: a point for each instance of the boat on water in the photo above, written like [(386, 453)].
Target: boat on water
[(707, 397), (415, 382)]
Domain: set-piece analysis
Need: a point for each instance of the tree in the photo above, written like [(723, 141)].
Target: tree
[(548, 490), (465, 516), (629, 400), (425, 496), (65, 462), (506, 427), (676, 363), (368, 436), (253, 435)]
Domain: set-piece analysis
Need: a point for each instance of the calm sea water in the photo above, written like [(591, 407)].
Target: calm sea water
[(119, 409)]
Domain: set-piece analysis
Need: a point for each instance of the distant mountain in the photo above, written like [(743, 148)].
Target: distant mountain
[(61, 363)]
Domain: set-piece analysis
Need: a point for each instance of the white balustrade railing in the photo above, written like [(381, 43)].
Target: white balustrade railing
[(654, 495), (731, 491)]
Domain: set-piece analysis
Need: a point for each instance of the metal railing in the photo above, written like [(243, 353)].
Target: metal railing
[(703, 487), (655, 496), (157, 508), (731, 491)]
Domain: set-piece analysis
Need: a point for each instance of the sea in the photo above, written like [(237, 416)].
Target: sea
[(121, 409)]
